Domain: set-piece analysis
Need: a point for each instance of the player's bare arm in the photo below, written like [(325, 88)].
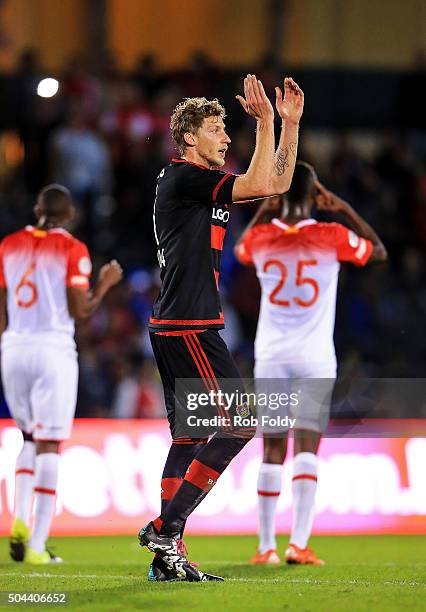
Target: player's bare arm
[(257, 181), (3, 310), (329, 201), (290, 108), (82, 303)]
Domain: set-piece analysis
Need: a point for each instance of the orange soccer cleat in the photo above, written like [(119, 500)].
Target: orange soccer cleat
[(270, 557), (302, 556)]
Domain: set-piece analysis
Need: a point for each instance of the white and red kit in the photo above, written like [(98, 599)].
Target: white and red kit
[(39, 358), (298, 268)]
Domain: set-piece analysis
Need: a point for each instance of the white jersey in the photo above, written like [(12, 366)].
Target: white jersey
[(36, 267), (298, 268)]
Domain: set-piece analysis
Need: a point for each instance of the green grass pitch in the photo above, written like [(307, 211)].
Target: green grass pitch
[(109, 573)]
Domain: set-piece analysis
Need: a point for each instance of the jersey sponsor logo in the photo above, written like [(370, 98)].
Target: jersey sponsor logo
[(220, 215), (84, 266), (353, 239)]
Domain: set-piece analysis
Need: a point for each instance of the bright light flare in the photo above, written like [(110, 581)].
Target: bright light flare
[(47, 88)]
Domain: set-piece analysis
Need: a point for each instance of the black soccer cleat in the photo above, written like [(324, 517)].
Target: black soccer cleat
[(178, 567), (159, 572), (166, 548)]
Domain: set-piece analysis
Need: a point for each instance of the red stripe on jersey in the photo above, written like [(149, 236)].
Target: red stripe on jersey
[(218, 236), (268, 493), (24, 471), (180, 332), (43, 490), (187, 321), (307, 476), (219, 185), (169, 486), (201, 476), (185, 161)]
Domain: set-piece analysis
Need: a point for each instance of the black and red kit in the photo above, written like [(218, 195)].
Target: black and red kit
[(191, 213)]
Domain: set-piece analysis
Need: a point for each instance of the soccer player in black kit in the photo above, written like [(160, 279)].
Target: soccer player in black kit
[(191, 212)]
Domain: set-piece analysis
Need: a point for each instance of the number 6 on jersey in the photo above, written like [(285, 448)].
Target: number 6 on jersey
[(26, 293)]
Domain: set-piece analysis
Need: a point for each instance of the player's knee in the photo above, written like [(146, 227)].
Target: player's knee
[(47, 446), (306, 441), (274, 450)]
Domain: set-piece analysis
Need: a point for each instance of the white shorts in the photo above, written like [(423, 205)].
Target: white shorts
[(300, 391), (40, 385)]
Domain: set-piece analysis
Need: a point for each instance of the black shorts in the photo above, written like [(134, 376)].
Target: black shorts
[(197, 361)]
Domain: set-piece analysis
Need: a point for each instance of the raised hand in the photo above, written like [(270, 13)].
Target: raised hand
[(327, 200), (255, 101), (111, 273), (289, 106)]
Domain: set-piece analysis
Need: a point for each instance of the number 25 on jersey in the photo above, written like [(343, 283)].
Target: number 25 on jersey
[(300, 280)]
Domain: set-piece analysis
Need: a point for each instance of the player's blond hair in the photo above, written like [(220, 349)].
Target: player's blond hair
[(188, 116)]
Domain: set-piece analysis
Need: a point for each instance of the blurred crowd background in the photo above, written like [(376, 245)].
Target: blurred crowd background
[(106, 136)]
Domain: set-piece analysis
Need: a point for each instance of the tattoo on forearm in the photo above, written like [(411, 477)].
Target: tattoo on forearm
[(282, 158), (281, 161)]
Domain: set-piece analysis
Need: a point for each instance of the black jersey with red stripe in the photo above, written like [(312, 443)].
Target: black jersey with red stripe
[(191, 213)]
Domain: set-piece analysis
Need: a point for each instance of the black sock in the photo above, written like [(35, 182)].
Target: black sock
[(202, 475), (178, 460)]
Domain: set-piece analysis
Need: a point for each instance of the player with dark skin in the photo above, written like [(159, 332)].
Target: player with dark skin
[(275, 449), (81, 303), (294, 344)]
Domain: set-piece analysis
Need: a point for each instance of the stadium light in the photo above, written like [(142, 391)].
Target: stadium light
[(47, 88)]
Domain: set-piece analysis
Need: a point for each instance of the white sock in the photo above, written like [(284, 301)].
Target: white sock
[(46, 479), (304, 487), (24, 481), (268, 489)]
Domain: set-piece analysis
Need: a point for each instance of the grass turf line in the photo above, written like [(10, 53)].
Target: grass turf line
[(362, 573)]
